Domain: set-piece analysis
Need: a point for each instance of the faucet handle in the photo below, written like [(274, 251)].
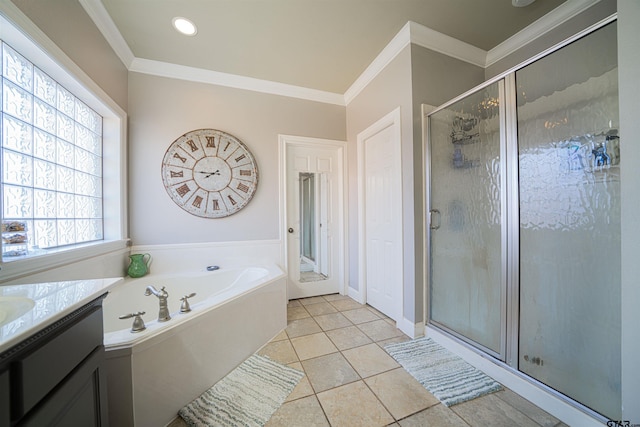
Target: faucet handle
[(130, 315), (138, 323), (184, 307)]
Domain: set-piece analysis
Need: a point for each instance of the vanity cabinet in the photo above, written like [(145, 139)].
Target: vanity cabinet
[(57, 376), (4, 399)]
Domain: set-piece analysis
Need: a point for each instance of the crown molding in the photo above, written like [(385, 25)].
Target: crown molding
[(411, 32), (181, 72), (543, 25), (418, 34), (425, 37), (97, 12), (442, 43)]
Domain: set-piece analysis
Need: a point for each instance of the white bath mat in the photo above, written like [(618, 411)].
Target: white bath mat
[(445, 375), (248, 396)]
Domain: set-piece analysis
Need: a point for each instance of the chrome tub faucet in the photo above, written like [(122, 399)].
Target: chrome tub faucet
[(162, 295)]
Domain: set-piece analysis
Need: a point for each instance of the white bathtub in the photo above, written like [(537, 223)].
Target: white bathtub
[(153, 373)]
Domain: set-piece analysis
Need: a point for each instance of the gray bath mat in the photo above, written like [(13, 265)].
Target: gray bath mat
[(445, 375), (248, 396)]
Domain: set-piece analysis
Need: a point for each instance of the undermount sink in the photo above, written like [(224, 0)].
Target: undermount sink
[(13, 307)]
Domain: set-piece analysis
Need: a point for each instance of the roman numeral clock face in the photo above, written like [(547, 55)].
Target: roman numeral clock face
[(209, 173)]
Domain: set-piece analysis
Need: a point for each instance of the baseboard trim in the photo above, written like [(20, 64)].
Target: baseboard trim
[(413, 330), (356, 295)]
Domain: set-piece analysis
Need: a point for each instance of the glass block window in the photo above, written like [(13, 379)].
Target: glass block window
[(51, 161)]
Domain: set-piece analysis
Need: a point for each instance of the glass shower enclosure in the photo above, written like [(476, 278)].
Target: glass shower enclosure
[(524, 218), (468, 291)]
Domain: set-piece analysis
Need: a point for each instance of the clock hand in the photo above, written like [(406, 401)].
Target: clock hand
[(217, 172)]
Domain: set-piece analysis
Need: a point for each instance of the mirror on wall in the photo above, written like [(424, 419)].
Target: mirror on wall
[(313, 234)]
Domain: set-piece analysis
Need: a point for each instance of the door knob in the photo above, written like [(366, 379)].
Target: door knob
[(290, 230)]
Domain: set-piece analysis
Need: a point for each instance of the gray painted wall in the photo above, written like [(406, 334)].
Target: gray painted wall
[(67, 24), (163, 109)]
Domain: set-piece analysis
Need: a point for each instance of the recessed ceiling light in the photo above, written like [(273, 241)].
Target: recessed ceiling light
[(184, 26)]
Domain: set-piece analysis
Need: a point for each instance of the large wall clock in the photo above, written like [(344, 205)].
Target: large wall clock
[(209, 173)]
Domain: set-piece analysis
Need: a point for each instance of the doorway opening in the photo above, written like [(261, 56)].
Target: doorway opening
[(313, 221)]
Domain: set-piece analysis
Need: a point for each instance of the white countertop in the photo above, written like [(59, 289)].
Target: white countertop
[(51, 302)]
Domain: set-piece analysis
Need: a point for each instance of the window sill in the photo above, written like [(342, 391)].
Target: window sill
[(18, 268)]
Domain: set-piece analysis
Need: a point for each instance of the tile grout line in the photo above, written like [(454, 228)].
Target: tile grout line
[(361, 378), (497, 395), (315, 393), (380, 345), (379, 373), (341, 352)]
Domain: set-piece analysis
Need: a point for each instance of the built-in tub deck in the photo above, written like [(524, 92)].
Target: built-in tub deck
[(153, 373)]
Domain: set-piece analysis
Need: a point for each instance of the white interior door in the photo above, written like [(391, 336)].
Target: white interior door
[(304, 155), (381, 214)]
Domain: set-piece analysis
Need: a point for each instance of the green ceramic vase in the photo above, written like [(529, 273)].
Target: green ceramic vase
[(138, 266)]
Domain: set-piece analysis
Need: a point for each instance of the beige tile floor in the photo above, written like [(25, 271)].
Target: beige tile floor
[(351, 381)]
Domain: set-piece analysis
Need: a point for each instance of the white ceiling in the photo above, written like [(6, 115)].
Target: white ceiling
[(318, 44)]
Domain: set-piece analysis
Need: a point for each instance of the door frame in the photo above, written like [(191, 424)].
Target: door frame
[(340, 148), (391, 119), (425, 111)]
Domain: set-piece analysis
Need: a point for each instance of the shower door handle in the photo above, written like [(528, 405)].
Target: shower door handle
[(434, 219)]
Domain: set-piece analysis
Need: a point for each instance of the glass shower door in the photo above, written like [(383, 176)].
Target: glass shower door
[(467, 284), (569, 185)]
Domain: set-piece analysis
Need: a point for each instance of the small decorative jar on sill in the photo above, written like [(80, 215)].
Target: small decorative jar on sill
[(138, 267)]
